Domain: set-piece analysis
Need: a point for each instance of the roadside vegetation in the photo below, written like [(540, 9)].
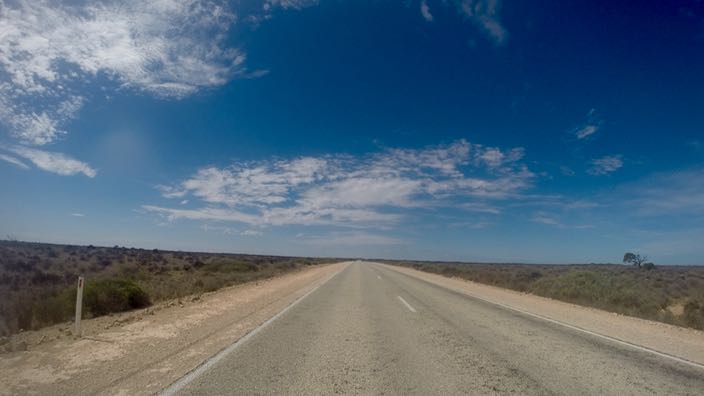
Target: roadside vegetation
[(38, 281), (670, 294)]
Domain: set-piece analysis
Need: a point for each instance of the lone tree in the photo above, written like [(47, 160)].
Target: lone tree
[(634, 259)]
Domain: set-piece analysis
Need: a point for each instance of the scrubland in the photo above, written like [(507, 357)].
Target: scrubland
[(38, 281), (670, 294)]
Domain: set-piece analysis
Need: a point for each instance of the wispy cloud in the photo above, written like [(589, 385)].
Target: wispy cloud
[(666, 194), (479, 207), (171, 192), (220, 229), (58, 163), (470, 224), (425, 11), (49, 51), (589, 126), (368, 190), (14, 161), (544, 218), (350, 239), (78, 215), (605, 165), (485, 14), (289, 4), (552, 220)]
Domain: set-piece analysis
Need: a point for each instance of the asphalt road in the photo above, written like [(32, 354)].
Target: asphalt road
[(372, 330)]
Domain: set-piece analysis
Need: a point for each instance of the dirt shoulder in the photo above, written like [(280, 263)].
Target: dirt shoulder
[(672, 340), (141, 352)]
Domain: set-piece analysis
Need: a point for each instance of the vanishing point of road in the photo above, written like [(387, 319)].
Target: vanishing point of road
[(373, 330)]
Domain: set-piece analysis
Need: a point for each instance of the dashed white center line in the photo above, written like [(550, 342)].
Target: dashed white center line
[(410, 308)]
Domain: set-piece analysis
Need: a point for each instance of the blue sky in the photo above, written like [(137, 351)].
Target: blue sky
[(479, 130)]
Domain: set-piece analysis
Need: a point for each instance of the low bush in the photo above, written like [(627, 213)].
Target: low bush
[(649, 292), (114, 295), (38, 281)]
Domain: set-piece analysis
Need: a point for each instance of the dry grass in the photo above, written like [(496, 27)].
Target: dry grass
[(37, 281), (670, 294)]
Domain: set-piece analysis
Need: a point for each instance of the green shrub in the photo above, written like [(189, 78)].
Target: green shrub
[(694, 314), (54, 309), (114, 295)]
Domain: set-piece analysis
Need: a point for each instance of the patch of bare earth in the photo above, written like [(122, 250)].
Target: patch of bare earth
[(142, 352), (681, 342)]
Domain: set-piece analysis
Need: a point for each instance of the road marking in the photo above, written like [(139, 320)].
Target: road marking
[(181, 383), (378, 277), (576, 328), (410, 308)]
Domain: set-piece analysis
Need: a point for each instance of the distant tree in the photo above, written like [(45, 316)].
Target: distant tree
[(649, 266), (634, 259)]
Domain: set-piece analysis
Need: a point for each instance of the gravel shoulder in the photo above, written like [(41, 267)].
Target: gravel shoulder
[(681, 342), (141, 352)]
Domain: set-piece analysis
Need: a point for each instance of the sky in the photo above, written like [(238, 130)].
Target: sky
[(472, 130)]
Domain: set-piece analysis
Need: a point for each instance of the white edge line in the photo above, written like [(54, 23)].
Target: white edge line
[(557, 322), (410, 308), (182, 382)]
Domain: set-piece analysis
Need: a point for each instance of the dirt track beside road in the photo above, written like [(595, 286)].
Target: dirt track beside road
[(141, 352)]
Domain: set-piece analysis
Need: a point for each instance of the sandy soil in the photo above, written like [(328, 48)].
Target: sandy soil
[(141, 352), (677, 341)]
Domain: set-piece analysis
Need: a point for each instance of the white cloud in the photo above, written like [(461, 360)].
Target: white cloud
[(171, 192), (479, 207), (251, 233), (221, 229), (605, 165), (206, 213), (470, 224), (350, 239), (485, 14), (590, 126), (543, 218), (359, 192), (671, 193), (289, 4), (250, 183), (585, 131), (58, 163), (425, 11), (78, 215), (169, 48), (14, 161), (343, 190), (547, 219)]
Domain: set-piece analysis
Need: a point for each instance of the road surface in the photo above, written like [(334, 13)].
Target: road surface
[(372, 330)]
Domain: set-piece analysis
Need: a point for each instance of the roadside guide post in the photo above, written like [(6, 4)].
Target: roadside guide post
[(79, 306)]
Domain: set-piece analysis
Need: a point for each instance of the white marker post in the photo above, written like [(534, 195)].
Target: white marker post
[(79, 306)]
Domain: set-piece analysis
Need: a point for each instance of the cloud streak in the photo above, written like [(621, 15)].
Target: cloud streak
[(425, 11), (605, 165), (485, 15), (53, 162), (372, 190), (14, 161), (350, 239), (590, 126)]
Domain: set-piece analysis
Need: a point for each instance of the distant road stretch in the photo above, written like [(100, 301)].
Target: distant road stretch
[(372, 330)]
